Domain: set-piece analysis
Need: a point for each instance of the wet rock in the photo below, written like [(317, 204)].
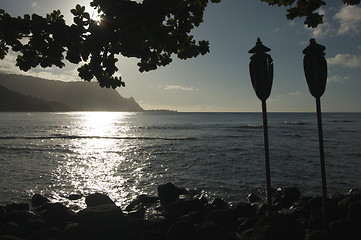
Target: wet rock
[(354, 191), (169, 193), (38, 200), (74, 197), (252, 198), (284, 197), (218, 204), (181, 208), (141, 200), (105, 215), (57, 215), (349, 229), (18, 207), (96, 199)]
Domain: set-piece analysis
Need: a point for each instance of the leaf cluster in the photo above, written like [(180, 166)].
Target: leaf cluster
[(306, 8), (151, 31)]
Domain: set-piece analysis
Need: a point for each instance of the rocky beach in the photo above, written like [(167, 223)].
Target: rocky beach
[(179, 213)]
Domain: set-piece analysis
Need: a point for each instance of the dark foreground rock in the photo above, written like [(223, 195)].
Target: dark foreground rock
[(178, 213)]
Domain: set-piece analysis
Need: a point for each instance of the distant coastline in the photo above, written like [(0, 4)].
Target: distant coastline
[(162, 110), (20, 93)]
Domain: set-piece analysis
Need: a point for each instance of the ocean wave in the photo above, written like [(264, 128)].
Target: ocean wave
[(292, 134), (295, 123), (256, 126), (60, 136)]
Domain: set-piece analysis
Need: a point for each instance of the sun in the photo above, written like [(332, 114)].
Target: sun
[(95, 15)]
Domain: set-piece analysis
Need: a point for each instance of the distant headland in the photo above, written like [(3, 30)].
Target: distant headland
[(20, 93)]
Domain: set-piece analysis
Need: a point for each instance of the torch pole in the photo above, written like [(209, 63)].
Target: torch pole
[(323, 168), (266, 151)]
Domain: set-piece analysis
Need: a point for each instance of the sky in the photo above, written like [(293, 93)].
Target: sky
[(219, 81)]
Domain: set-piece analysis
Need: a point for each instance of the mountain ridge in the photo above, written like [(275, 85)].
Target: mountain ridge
[(77, 96)]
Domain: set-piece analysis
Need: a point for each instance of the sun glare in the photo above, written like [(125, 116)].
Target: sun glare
[(95, 15)]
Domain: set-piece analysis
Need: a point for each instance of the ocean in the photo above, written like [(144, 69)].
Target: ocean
[(127, 154)]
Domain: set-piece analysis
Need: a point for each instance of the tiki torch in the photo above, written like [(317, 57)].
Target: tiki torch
[(261, 72), (315, 68)]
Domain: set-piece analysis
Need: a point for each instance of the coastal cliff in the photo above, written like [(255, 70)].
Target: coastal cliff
[(72, 96)]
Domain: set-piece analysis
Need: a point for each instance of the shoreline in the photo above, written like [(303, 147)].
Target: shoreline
[(179, 213)]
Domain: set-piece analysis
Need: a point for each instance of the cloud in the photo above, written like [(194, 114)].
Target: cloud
[(337, 79), (322, 30), (34, 4), (177, 87), (346, 60), (294, 93), (349, 18)]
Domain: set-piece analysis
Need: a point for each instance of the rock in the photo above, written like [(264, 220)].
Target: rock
[(212, 231), (169, 193), (283, 228), (284, 197), (10, 237), (181, 208), (349, 229), (74, 197), (96, 199), (354, 210), (18, 207), (38, 200), (218, 204), (140, 201), (226, 218), (315, 235), (57, 215), (181, 230), (10, 228), (252, 198), (47, 234), (247, 224), (244, 210), (105, 215)]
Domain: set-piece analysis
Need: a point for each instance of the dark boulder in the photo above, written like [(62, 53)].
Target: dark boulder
[(47, 234), (38, 200), (181, 230), (212, 231), (98, 199), (75, 196), (244, 210), (101, 215), (169, 193), (253, 198), (57, 215)]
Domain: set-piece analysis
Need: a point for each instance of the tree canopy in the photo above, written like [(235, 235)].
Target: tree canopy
[(151, 31)]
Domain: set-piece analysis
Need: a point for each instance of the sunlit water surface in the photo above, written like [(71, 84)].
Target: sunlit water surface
[(128, 154)]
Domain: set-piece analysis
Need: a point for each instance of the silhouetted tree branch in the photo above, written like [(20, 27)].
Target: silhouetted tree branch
[(306, 8), (151, 30)]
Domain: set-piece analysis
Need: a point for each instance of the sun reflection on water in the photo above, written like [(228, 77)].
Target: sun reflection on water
[(98, 159)]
